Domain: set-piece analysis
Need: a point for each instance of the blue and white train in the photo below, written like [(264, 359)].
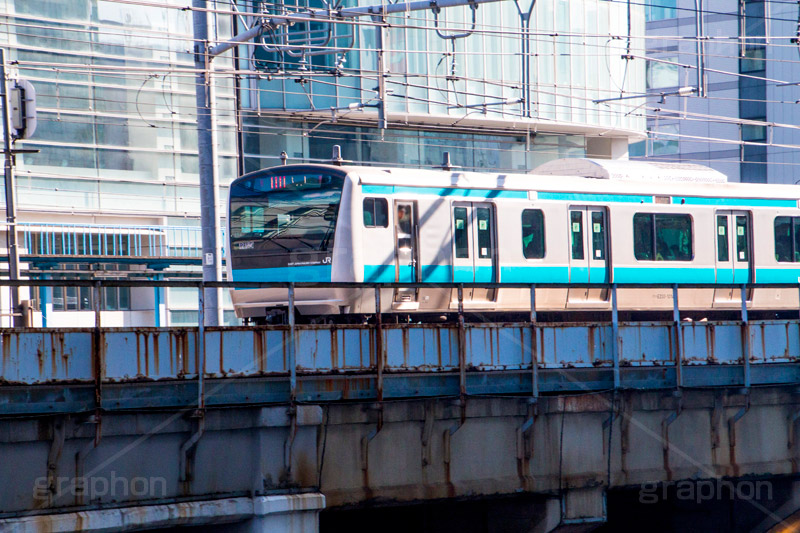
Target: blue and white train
[(651, 224)]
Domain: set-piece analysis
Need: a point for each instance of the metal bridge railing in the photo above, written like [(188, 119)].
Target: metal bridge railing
[(381, 351)]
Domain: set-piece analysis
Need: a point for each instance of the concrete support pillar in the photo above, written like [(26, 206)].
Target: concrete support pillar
[(284, 514), (577, 511), (607, 147)]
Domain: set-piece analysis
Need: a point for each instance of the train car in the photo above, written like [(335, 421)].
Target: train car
[(640, 224)]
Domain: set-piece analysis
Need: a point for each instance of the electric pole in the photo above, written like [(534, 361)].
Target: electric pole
[(11, 206), (209, 185)]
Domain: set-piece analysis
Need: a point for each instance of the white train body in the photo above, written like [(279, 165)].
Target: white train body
[(430, 227)]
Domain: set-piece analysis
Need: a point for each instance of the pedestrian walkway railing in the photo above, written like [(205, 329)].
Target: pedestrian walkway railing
[(112, 240)]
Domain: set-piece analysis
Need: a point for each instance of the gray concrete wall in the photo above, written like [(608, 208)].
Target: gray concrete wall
[(399, 451)]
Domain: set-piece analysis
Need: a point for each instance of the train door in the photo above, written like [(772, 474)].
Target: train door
[(733, 257), (406, 232), (588, 253), (474, 248)]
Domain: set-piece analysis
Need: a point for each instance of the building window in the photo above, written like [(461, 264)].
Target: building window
[(533, 233), (753, 29), (787, 239), (70, 298), (753, 59), (664, 140), (662, 237), (660, 74), (753, 166), (754, 132), (661, 9), (376, 213)]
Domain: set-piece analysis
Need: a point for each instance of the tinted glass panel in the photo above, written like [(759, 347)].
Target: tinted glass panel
[(722, 238), (404, 219), (673, 238), (669, 236), (369, 212), (741, 238), (405, 239), (381, 213), (643, 236), (484, 232), (598, 235), (576, 232), (461, 231), (376, 213), (533, 234), (796, 239), (285, 213), (783, 239)]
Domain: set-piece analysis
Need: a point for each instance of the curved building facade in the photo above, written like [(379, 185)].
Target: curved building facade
[(511, 88)]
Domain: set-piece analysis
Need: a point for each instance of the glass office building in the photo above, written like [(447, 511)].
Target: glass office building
[(489, 97), (113, 190), (499, 94), (745, 126)]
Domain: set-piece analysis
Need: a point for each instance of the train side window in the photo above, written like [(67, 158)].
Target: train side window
[(598, 235), (741, 238), (787, 239), (376, 212), (461, 231), (722, 238), (576, 233), (643, 237), (533, 233), (796, 239), (662, 237), (484, 216)]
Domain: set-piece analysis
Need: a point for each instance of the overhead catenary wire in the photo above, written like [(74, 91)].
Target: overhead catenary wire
[(366, 75)]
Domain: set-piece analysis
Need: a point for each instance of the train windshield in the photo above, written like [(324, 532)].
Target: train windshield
[(288, 213)]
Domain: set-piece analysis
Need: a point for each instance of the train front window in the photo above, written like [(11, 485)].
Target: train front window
[(279, 214)]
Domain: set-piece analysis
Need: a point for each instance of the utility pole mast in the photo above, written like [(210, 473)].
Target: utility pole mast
[(11, 205), (209, 186)]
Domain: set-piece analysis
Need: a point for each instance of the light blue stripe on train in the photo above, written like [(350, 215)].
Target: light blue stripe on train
[(528, 274), (309, 273)]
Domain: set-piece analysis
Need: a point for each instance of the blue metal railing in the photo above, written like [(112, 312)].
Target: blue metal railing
[(115, 240), (398, 360)]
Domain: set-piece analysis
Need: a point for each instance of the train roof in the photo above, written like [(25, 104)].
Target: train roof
[(616, 169), (586, 175), (567, 183)]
